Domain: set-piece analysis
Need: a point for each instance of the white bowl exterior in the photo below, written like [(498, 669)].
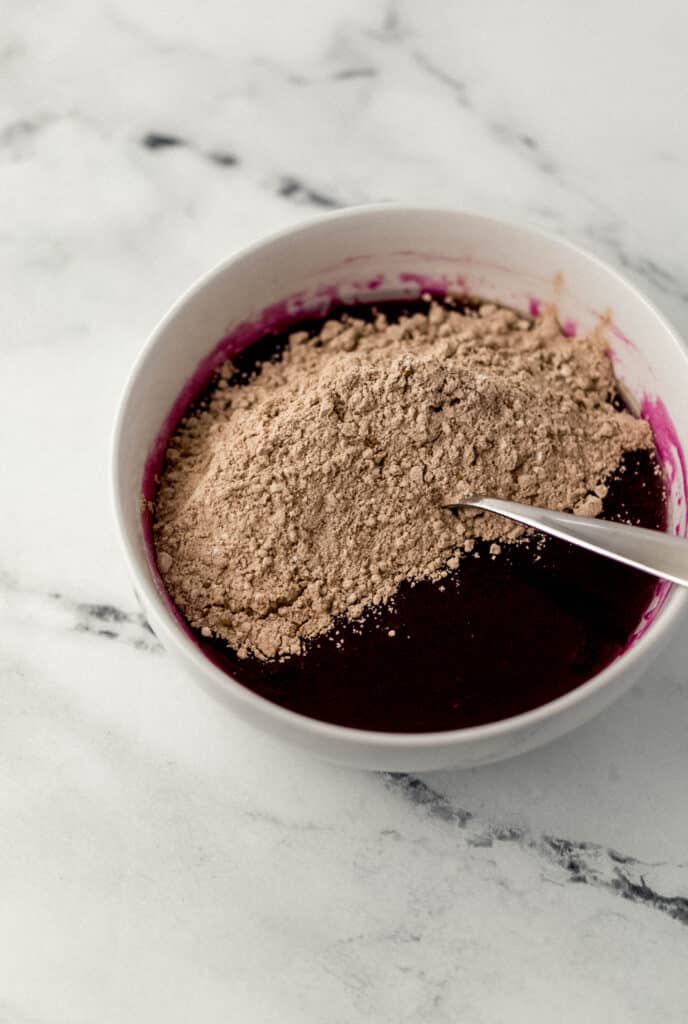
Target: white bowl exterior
[(370, 253)]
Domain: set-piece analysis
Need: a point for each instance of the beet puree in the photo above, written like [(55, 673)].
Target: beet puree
[(494, 638)]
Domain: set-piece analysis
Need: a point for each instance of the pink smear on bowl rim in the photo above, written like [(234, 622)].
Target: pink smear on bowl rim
[(672, 460), (613, 329)]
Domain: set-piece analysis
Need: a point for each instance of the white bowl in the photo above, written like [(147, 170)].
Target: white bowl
[(371, 253)]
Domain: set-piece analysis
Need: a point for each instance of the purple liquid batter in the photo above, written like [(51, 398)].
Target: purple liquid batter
[(493, 639)]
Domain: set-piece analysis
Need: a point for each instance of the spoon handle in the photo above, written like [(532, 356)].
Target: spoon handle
[(653, 551)]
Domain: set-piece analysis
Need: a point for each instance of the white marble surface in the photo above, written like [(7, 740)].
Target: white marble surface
[(159, 862)]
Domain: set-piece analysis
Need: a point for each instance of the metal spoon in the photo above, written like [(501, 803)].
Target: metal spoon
[(660, 554)]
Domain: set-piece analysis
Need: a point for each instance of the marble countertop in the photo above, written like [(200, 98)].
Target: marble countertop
[(159, 861)]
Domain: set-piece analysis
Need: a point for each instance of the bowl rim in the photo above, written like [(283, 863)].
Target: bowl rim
[(676, 601)]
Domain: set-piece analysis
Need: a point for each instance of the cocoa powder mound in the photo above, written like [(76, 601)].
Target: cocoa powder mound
[(312, 491)]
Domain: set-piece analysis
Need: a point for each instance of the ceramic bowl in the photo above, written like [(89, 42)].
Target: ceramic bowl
[(371, 253)]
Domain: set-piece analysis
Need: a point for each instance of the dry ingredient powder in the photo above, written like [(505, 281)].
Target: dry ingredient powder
[(312, 491)]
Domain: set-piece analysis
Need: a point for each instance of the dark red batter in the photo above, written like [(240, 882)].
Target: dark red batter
[(495, 638)]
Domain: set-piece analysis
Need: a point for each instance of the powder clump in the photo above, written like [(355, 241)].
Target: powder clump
[(315, 489)]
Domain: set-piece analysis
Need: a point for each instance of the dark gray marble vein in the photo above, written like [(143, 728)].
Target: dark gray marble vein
[(345, 74), (348, 73), (107, 622), (161, 141), (223, 158), (294, 188), (458, 87), (112, 623), (288, 185), (524, 144), (501, 131), (19, 130), (436, 805), (55, 610), (581, 863), (392, 28), (18, 137), (644, 267)]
